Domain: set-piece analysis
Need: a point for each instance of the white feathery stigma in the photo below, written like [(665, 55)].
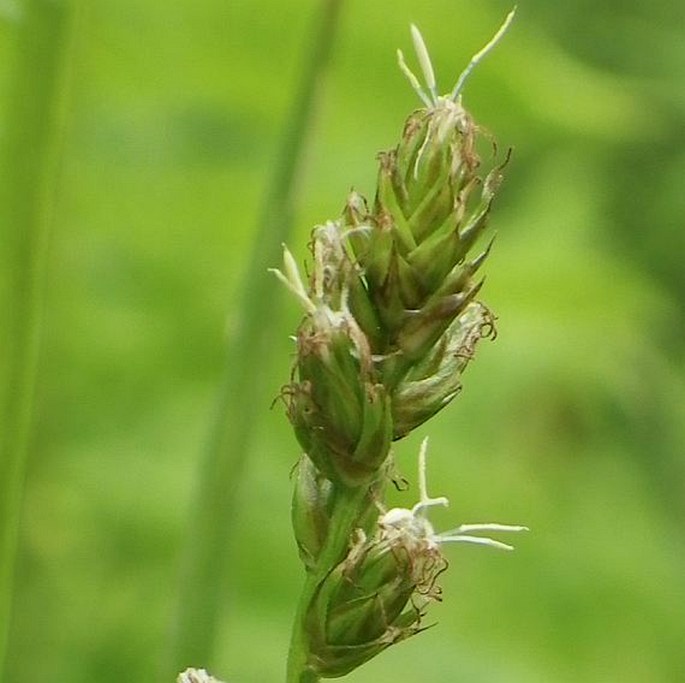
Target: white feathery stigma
[(412, 526)]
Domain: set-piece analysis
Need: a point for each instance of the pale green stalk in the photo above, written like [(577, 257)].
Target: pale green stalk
[(33, 135), (205, 566)]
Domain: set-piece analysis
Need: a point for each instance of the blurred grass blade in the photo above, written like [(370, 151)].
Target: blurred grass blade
[(33, 132), (205, 568)]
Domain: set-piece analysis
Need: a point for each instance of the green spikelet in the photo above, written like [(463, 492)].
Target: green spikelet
[(431, 207)]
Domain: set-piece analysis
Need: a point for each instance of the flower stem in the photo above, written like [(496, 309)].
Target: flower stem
[(30, 154), (205, 567)]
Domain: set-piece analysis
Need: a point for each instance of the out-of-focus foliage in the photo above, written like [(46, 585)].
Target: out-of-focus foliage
[(573, 422)]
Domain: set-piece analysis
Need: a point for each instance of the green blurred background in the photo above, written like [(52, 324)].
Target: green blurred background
[(573, 422)]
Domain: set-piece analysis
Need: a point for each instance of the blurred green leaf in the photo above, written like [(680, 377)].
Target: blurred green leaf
[(572, 421)]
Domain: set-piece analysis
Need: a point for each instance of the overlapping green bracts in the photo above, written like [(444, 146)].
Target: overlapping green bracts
[(413, 250), (371, 600), (391, 323)]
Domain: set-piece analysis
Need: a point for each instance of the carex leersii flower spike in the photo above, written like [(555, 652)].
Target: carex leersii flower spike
[(391, 320)]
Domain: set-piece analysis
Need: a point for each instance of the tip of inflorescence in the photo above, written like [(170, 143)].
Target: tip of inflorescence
[(429, 96)]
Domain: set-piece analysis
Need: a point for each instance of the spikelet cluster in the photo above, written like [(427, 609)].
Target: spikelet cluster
[(391, 321)]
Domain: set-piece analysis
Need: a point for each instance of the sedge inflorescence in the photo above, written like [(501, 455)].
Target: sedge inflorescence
[(392, 319)]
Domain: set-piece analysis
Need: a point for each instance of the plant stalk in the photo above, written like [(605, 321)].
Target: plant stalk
[(30, 157), (205, 566)]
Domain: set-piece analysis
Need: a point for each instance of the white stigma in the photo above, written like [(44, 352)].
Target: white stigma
[(456, 92), (413, 525), (293, 280), (431, 98), (424, 61)]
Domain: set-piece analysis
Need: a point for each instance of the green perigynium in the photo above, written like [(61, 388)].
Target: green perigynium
[(391, 322)]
